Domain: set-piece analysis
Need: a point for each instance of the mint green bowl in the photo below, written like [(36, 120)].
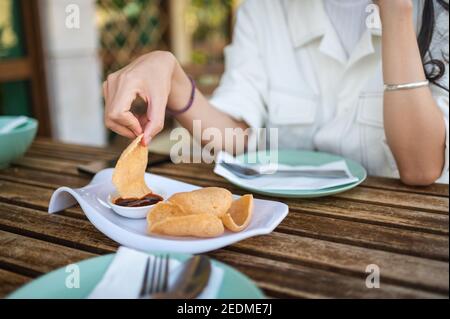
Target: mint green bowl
[(15, 143)]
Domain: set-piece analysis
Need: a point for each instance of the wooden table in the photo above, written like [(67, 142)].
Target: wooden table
[(320, 250)]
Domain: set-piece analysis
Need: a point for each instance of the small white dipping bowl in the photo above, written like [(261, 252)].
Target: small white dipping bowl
[(132, 212)]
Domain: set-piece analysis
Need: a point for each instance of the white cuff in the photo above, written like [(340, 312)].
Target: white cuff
[(229, 104)]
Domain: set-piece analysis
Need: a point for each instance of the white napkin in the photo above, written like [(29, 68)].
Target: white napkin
[(272, 182), (123, 279)]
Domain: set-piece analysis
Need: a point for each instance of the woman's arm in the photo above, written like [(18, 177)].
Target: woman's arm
[(201, 110), (414, 125), (157, 78)]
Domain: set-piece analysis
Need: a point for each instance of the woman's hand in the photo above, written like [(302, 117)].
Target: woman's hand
[(149, 77)]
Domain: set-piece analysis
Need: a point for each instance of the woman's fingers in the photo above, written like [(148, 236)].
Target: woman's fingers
[(128, 120), (143, 120), (155, 115), (148, 76), (121, 130), (118, 103)]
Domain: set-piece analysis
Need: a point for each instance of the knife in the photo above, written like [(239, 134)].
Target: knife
[(191, 281), (193, 278)]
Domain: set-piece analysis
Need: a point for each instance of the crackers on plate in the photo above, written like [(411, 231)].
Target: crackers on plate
[(201, 213)]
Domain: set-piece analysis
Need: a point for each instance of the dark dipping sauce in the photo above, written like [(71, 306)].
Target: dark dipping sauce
[(147, 200)]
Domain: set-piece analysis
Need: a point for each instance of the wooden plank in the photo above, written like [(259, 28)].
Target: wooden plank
[(364, 195), (51, 144), (32, 197), (396, 269), (65, 167), (407, 219), (58, 229), (397, 185), (33, 257), (366, 235), (374, 214), (194, 169), (346, 259), (307, 282), (337, 208), (370, 213), (25, 195), (80, 158), (398, 199), (47, 146), (47, 165), (356, 233), (19, 191), (26, 258), (206, 172), (42, 178), (41, 257), (10, 281), (313, 208), (69, 154)]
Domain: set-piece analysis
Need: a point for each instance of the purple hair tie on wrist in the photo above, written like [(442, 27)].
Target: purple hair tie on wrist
[(190, 103)]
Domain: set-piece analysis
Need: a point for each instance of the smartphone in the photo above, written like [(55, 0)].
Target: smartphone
[(94, 167)]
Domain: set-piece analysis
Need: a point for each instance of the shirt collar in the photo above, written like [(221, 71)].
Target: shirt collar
[(308, 21)]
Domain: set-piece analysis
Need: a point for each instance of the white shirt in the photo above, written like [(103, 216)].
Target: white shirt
[(348, 18), (287, 69)]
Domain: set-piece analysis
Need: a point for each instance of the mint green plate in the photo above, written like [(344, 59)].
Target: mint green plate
[(294, 157), (52, 285)]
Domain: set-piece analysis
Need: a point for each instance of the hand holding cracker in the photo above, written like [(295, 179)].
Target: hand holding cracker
[(128, 176)]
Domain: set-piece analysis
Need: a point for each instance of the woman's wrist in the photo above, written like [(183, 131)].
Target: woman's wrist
[(180, 90), (395, 11)]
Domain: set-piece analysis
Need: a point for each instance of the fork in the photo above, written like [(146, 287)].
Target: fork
[(156, 278), (249, 173)]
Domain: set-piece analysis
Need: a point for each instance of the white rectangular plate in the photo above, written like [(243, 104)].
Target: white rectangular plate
[(267, 215)]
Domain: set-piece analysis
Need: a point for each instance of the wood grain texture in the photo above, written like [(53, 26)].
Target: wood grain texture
[(205, 170), (348, 259), (193, 169), (407, 200), (310, 282), (26, 174), (322, 244), (397, 185), (365, 235), (326, 255), (67, 231), (374, 236), (363, 212), (33, 257), (10, 281)]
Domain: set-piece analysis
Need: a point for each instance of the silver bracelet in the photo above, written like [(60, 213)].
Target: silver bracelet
[(405, 86)]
